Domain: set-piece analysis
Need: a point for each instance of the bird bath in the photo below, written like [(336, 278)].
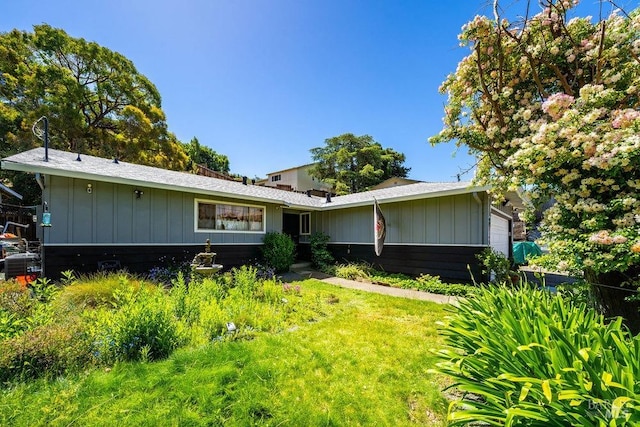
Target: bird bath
[(204, 262)]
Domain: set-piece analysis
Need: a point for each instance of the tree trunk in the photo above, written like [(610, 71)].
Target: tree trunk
[(610, 295)]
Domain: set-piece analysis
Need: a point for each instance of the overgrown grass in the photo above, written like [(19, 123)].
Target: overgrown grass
[(363, 361)]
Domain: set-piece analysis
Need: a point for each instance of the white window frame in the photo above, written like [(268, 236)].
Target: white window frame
[(196, 209), (308, 232)]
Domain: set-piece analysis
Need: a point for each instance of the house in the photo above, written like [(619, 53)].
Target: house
[(394, 181), (110, 214), (295, 179)]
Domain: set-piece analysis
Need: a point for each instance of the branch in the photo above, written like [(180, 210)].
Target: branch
[(598, 74), (486, 91), (561, 77)]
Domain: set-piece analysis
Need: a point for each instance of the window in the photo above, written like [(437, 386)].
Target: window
[(305, 223), (275, 178), (220, 216)]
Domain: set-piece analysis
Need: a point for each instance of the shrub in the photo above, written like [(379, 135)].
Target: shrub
[(433, 284), (16, 307), (353, 271), (93, 291), (47, 350), (495, 265), (278, 251), (321, 257), (532, 358), (142, 325), (43, 289)]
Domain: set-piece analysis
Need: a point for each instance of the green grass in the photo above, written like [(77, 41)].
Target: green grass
[(364, 363)]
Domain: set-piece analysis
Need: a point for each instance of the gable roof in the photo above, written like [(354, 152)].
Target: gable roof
[(63, 163)]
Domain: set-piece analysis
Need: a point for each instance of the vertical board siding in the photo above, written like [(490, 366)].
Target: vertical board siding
[(451, 220), (112, 213), (105, 212)]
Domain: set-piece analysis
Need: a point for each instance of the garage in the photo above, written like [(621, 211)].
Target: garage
[(500, 233)]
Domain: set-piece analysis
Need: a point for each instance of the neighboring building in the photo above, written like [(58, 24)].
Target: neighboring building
[(295, 179), (394, 182), (107, 214)]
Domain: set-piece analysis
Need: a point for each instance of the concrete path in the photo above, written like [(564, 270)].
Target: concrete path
[(302, 272)]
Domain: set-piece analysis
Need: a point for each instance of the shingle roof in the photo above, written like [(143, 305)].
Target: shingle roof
[(62, 163)]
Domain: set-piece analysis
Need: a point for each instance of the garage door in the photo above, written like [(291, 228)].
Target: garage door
[(499, 234)]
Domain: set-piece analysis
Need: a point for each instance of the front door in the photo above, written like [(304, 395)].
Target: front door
[(291, 226)]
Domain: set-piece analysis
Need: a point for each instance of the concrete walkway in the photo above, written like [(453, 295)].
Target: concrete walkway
[(302, 272)]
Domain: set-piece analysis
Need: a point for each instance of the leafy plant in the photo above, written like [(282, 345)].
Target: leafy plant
[(321, 257), (496, 266), (353, 271), (43, 289), (527, 357), (142, 324), (278, 251)]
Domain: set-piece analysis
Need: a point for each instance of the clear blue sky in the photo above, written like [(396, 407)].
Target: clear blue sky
[(264, 81)]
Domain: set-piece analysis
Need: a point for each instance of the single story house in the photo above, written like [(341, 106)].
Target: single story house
[(109, 214)]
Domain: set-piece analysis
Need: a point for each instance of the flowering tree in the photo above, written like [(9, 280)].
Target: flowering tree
[(551, 104)]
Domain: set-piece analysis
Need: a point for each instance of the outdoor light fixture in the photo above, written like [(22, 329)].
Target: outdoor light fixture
[(138, 193), (89, 188)]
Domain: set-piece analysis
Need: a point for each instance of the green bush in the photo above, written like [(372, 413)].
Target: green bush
[(93, 291), (527, 357), (353, 271), (47, 350), (321, 257), (433, 284), (141, 326), (496, 266), (16, 308), (278, 251)]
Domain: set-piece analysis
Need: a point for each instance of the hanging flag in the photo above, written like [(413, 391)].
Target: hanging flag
[(379, 228)]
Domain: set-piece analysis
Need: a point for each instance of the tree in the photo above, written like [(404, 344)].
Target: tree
[(354, 163), (95, 99), (552, 104), (203, 155)]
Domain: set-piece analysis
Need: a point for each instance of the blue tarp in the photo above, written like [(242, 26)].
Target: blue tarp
[(522, 250)]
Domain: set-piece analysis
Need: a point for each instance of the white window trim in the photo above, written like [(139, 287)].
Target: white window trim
[(222, 202), (308, 233)]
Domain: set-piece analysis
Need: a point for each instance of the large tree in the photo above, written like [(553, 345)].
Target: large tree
[(552, 104), (203, 155), (95, 100), (354, 163)]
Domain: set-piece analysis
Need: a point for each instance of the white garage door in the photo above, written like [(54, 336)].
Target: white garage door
[(499, 234)]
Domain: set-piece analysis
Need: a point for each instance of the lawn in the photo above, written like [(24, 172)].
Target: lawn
[(363, 362)]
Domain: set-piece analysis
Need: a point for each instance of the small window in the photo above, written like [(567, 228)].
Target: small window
[(216, 216), (275, 178), (305, 223)]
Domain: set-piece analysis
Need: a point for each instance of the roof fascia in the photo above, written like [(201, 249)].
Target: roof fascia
[(443, 193), (21, 167)]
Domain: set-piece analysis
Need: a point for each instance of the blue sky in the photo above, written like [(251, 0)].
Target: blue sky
[(263, 82)]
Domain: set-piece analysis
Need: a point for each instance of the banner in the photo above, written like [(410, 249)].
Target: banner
[(379, 228)]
